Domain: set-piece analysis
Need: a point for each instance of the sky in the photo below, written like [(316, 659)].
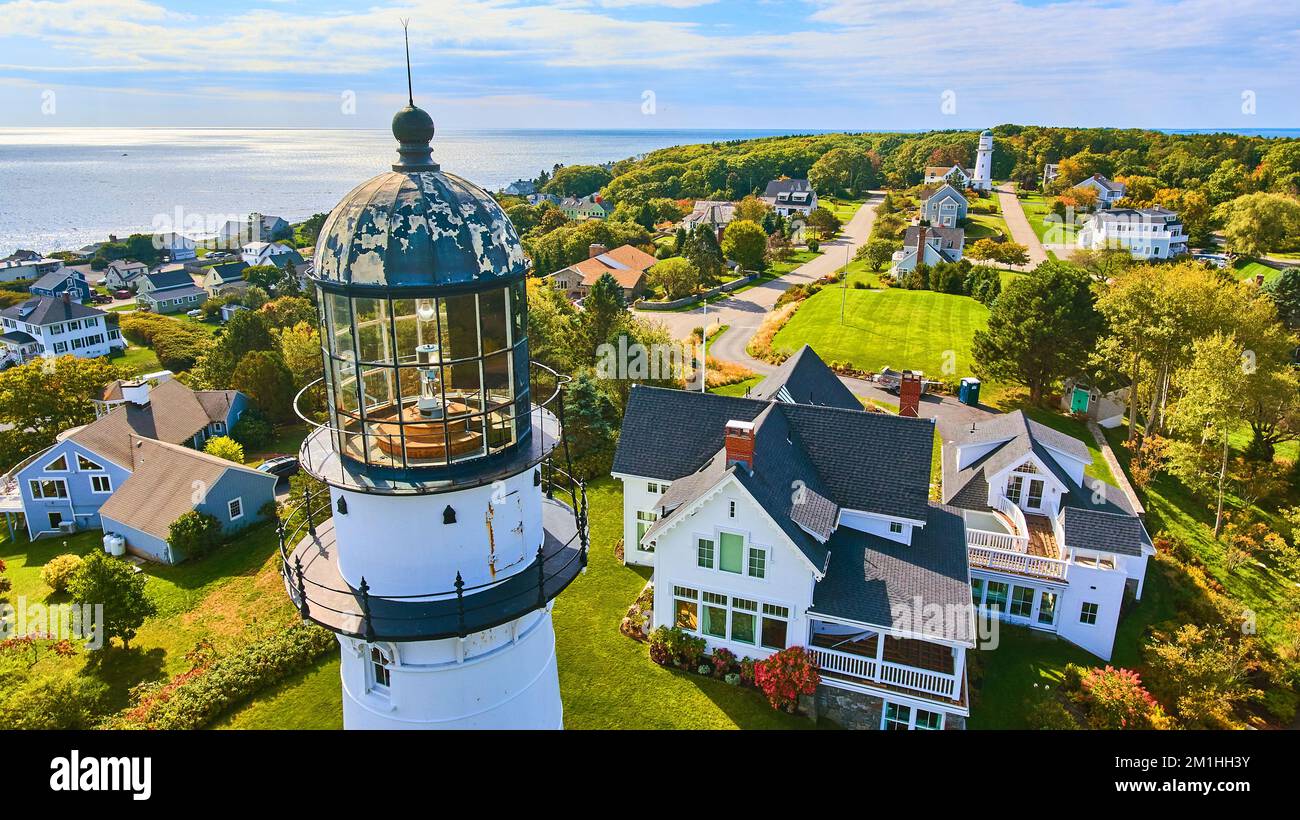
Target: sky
[(760, 64)]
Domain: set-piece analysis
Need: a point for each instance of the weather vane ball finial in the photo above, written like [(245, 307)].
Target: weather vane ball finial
[(412, 126)]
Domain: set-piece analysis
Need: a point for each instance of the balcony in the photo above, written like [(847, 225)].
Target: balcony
[(1006, 540), (904, 666)]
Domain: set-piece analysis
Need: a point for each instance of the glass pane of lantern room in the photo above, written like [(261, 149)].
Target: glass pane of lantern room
[(518, 311), (339, 312), (492, 316), (466, 437), (464, 388), (345, 386), (458, 319), (406, 328), (374, 342)]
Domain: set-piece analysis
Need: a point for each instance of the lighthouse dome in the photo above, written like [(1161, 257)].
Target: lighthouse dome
[(417, 226)]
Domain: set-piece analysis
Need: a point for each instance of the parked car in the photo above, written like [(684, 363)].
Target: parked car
[(280, 466), (122, 294), (194, 314), (101, 299)]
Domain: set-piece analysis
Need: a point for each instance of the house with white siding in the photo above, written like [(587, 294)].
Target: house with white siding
[(48, 327), (1108, 191), (1146, 233)]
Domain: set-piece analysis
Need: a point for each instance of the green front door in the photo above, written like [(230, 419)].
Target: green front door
[(1079, 401)]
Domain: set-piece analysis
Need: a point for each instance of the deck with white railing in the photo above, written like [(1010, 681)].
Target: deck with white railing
[(1030, 549), (856, 663)]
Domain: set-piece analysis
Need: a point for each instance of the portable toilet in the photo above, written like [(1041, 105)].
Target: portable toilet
[(970, 391)]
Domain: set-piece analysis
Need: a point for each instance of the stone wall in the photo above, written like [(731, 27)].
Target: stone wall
[(852, 710)]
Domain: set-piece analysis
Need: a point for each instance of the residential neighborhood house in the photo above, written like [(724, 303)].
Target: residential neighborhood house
[(221, 279), (951, 174), (261, 253), (520, 187), (1146, 233), (628, 266), (253, 228), (804, 520), (47, 327), (587, 207), (64, 280), (134, 470), (716, 214), (1108, 192), (17, 270), (176, 247), (945, 207), (124, 274), (929, 246), (1050, 548), (790, 196)]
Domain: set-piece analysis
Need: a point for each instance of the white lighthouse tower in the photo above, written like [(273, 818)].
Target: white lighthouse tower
[(983, 179), (444, 536)]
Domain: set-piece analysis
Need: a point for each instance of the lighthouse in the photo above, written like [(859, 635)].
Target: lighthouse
[(983, 179), (448, 524)]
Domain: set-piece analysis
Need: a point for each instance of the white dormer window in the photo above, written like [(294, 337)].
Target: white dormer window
[(896, 527)]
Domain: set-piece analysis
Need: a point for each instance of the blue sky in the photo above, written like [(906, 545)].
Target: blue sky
[(797, 64)]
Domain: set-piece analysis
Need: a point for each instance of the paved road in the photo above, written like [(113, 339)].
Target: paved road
[(744, 312), (1019, 225)]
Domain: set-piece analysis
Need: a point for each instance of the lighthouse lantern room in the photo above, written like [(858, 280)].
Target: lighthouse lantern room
[(445, 527)]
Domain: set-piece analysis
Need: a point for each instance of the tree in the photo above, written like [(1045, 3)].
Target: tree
[(1042, 328), (1213, 401), (263, 377), (194, 534), (105, 580), (253, 431), (753, 209), (704, 253), (245, 333), (1285, 293), (225, 447), (1255, 224), (842, 172), (1203, 673), (878, 252), (593, 422), (676, 277), (300, 350), (602, 311), (746, 244), (825, 223), (44, 397), (287, 311), (1005, 253), (59, 571), (266, 277), (577, 180)]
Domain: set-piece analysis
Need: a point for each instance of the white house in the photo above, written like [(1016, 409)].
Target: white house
[(253, 228), (260, 253), (15, 270), (770, 522), (790, 196), (929, 246), (951, 174), (1050, 548), (124, 274), (945, 207), (1146, 233), (177, 247), (1108, 191), (48, 327)]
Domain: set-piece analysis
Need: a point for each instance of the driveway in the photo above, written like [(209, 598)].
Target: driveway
[(1019, 225), (744, 311)]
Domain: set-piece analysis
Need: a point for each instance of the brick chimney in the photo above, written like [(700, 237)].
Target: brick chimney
[(740, 443), (909, 394), (67, 297), (596, 249), (920, 244)]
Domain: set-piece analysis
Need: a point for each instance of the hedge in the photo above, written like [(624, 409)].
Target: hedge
[(195, 698)]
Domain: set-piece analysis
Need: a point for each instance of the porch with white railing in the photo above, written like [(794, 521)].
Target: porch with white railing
[(1030, 548), (858, 661)]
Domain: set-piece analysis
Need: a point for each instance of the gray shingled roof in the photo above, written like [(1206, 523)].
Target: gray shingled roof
[(46, 310), (873, 580), (1095, 529), (1020, 436), (669, 433), (807, 380)]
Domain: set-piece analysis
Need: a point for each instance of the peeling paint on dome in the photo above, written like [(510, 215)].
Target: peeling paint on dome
[(417, 229)]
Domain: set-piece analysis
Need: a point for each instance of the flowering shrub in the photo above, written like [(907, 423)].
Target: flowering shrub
[(747, 665), (732, 678), (786, 675), (671, 645), (724, 661), (1116, 699)]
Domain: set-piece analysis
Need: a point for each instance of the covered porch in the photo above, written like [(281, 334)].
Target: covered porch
[(907, 666)]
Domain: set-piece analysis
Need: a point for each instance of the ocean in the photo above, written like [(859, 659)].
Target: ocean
[(62, 188), (65, 188)]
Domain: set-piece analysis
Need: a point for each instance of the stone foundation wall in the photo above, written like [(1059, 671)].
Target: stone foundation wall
[(852, 710)]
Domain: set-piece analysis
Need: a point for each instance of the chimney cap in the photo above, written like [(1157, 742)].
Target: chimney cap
[(740, 426)]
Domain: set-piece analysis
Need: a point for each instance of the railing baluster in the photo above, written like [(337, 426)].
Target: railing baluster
[(541, 577), (460, 605), (302, 588), (367, 627)]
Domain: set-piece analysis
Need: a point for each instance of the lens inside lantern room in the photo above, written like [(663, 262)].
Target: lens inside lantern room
[(424, 382)]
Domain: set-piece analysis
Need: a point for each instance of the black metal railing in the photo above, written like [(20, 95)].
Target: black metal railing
[(457, 610)]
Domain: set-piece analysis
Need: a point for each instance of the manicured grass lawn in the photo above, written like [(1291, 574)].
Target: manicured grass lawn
[(1249, 269), (844, 209), (1037, 208), (737, 389), (1023, 669), (916, 329), (212, 598), (1078, 429), (607, 680), (138, 360), (985, 226)]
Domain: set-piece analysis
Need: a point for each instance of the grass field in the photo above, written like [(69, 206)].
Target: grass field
[(607, 680), (916, 329), (1248, 269)]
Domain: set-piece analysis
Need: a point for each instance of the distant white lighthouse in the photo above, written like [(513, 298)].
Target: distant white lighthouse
[(444, 536), (983, 179)]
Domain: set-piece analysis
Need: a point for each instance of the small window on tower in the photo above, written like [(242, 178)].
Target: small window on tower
[(380, 672)]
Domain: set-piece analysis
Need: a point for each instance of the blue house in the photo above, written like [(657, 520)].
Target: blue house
[(55, 283), (169, 480), (64, 487), (945, 208)]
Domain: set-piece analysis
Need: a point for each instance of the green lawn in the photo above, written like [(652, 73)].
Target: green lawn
[(1037, 208), (138, 360), (212, 598), (607, 680), (1248, 269), (916, 329), (986, 226), (1078, 429), (737, 389)]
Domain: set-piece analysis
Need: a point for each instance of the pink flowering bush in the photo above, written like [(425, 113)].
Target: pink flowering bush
[(786, 675), (1116, 699)]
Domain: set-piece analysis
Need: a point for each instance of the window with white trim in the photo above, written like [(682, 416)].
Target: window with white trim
[(378, 671), (895, 527), (1022, 601), (757, 562), (86, 464), (101, 484), (898, 717), (1088, 613), (776, 623), (235, 507), (731, 551), (49, 488), (704, 553), (58, 465), (644, 521), (686, 608)]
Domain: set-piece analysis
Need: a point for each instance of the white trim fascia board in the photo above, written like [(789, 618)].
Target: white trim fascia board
[(686, 510), (997, 479), (914, 522), (1070, 456), (889, 630)]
